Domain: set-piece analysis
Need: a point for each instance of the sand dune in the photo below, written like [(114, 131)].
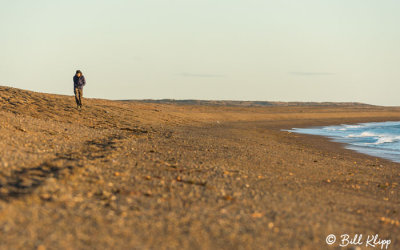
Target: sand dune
[(140, 174)]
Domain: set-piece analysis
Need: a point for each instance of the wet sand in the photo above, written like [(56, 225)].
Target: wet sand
[(136, 175)]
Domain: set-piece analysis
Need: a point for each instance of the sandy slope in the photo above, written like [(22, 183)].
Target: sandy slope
[(141, 175)]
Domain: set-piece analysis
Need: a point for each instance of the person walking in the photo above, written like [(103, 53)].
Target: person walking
[(79, 82)]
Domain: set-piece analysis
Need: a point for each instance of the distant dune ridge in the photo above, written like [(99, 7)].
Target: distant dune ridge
[(249, 103), (156, 174)]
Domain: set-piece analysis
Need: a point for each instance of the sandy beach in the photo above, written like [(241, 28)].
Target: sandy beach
[(142, 175)]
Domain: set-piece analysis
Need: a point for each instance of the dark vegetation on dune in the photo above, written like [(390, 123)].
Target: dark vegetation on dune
[(248, 103)]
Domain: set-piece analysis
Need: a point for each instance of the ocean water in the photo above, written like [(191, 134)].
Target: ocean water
[(379, 139)]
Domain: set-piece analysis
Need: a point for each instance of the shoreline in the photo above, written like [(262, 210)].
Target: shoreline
[(374, 152), (318, 141)]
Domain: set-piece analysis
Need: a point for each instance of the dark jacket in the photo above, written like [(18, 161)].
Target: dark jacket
[(79, 82)]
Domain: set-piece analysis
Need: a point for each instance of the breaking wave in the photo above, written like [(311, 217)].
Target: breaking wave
[(380, 139)]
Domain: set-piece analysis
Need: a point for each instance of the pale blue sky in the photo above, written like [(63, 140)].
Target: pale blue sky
[(299, 50)]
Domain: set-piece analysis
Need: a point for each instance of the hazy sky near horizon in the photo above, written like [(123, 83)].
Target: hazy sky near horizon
[(298, 50)]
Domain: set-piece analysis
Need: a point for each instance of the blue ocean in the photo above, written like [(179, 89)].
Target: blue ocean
[(379, 139)]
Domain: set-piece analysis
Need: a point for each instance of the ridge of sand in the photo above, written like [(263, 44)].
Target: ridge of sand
[(146, 175)]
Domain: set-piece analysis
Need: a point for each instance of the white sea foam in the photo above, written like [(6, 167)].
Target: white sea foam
[(347, 127), (386, 139), (380, 139), (363, 134), (353, 126), (330, 128)]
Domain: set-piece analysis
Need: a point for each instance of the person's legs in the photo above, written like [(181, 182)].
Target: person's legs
[(77, 99), (80, 96)]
